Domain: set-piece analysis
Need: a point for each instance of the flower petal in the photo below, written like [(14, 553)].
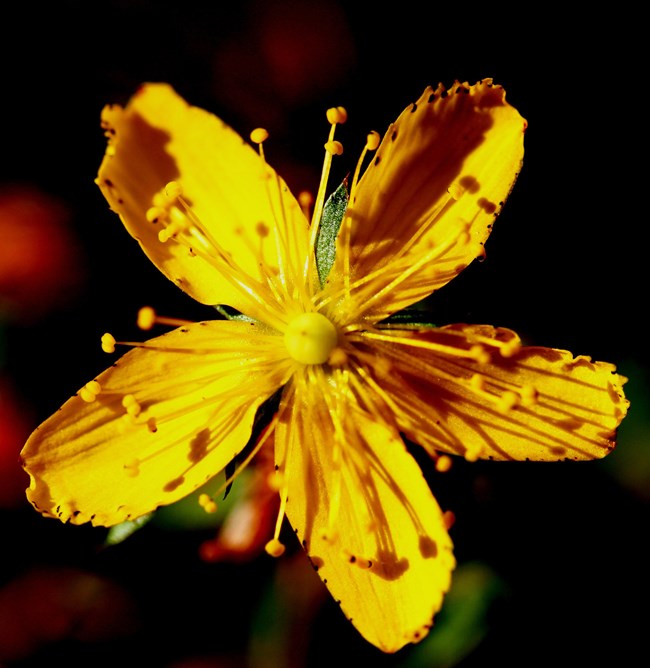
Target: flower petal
[(426, 204), (241, 222), (475, 391), (364, 513), (161, 421)]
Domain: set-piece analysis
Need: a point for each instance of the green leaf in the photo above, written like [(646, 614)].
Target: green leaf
[(418, 314), (229, 313), (333, 213), (120, 532)]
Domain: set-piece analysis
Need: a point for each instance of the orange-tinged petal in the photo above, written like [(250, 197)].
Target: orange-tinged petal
[(238, 222), (475, 391), (425, 205), (364, 513), (156, 425)]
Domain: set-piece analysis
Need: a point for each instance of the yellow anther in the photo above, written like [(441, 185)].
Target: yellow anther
[(207, 503), (305, 199), (164, 235), (473, 453), (275, 480), (372, 141), (510, 348), (508, 401), (134, 409), (108, 343), (275, 548), (90, 391), (337, 115), (448, 519), (94, 386), (443, 464), (529, 395), (173, 190), (334, 147), (480, 354), (383, 366), (259, 135), (338, 357), (131, 405), (155, 214), (477, 382), (146, 318)]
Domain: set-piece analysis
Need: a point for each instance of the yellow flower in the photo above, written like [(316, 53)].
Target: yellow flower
[(175, 411)]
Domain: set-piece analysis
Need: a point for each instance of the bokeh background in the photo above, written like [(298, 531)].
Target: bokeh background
[(552, 558)]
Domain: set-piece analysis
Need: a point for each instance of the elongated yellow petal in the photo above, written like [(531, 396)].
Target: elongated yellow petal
[(426, 204), (364, 513), (227, 220), (475, 391), (155, 426)]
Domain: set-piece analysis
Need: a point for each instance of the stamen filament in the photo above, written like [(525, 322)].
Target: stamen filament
[(334, 116), (147, 318)]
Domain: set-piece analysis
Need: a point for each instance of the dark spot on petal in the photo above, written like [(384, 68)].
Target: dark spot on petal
[(199, 446)]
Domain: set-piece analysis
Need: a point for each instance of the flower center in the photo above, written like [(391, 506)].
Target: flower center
[(310, 338)]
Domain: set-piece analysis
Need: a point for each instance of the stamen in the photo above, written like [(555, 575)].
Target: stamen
[(476, 352), (334, 147), (259, 135), (147, 318), (335, 115), (306, 199), (443, 463), (529, 395), (183, 226), (274, 547), (449, 519), (372, 142), (108, 343), (90, 391), (207, 503), (130, 403)]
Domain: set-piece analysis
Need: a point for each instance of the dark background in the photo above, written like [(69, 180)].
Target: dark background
[(563, 544)]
